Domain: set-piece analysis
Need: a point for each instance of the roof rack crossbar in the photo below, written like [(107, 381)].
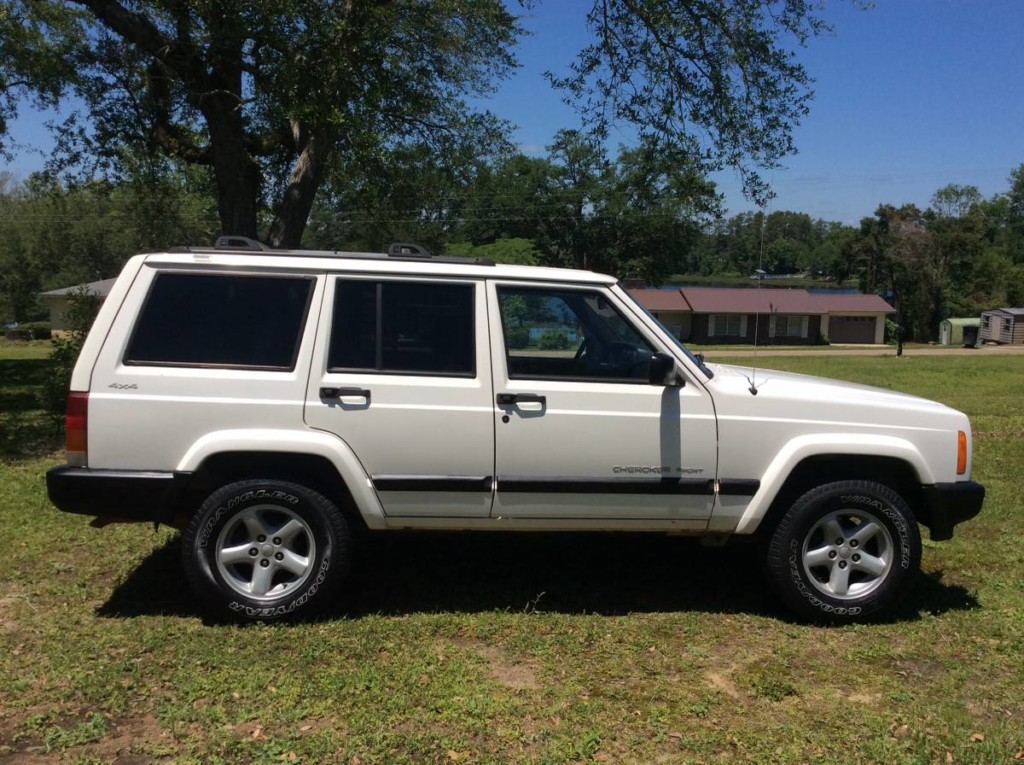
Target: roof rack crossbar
[(408, 250), (233, 242)]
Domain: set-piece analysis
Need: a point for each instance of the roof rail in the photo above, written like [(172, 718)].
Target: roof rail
[(397, 251), (233, 242), (408, 250)]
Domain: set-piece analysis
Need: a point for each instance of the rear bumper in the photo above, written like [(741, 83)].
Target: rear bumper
[(948, 504), (129, 495)]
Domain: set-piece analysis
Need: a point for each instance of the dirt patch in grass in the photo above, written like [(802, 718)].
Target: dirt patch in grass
[(517, 675), (12, 600), (722, 681)]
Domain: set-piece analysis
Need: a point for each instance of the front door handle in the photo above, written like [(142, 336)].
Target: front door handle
[(511, 399), (342, 392)]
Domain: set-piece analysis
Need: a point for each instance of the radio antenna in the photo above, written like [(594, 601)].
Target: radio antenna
[(760, 273)]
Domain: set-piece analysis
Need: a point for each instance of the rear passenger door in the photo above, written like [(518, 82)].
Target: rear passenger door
[(401, 374)]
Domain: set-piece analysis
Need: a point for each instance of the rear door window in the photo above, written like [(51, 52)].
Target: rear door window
[(394, 327)]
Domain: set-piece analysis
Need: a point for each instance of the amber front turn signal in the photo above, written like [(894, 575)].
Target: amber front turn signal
[(961, 453)]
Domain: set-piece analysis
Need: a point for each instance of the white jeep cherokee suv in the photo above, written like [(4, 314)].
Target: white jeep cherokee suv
[(268, 402)]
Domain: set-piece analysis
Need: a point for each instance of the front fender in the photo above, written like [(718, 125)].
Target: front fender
[(331, 448), (821, 444)]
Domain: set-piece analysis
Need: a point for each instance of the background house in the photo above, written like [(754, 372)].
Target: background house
[(57, 300), (778, 316), (790, 317), (1002, 325), (670, 308)]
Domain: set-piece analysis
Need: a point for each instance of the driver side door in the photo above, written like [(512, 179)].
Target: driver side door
[(580, 432)]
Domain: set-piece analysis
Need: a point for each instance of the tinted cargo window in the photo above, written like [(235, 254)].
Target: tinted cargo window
[(221, 321), (403, 328)]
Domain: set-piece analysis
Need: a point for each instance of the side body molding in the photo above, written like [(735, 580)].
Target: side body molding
[(319, 444), (818, 444)]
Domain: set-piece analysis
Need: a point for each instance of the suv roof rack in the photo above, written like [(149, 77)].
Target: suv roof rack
[(402, 251)]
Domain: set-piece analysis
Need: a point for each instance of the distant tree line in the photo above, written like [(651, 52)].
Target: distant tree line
[(645, 213)]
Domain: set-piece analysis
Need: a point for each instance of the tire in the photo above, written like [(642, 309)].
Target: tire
[(844, 552), (266, 550)]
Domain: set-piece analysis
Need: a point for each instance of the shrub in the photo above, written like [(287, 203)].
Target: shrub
[(553, 340), (37, 330), (82, 308), (518, 337)]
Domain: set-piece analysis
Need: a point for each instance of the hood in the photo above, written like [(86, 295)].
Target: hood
[(809, 391)]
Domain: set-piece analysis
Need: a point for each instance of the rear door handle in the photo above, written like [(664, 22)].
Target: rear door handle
[(511, 399), (343, 392)]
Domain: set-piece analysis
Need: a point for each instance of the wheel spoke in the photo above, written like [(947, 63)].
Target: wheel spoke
[(239, 554), (262, 578), (839, 581), (833, 531), (871, 564), (254, 525), (818, 557), (290, 530), (867, 531), (295, 564)]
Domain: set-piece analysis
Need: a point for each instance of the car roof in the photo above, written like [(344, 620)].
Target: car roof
[(367, 263)]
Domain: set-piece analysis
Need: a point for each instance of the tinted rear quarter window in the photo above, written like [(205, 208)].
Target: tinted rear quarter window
[(221, 321)]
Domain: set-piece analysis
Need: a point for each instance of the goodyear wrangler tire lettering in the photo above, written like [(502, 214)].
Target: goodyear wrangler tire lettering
[(266, 550), (844, 551)]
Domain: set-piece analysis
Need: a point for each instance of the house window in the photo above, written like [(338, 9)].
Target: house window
[(727, 325), (788, 326)]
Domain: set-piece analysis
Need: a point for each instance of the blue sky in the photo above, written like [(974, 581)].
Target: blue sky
[(910, 95)]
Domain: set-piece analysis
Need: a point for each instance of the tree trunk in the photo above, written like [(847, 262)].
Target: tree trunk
[(899, 320), (293, 214), (235, 172)]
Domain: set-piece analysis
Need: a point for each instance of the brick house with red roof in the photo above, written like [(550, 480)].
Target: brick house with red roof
[(778, 316)]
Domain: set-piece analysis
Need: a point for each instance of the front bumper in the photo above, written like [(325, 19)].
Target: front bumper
[(125, 495), (947, 504)]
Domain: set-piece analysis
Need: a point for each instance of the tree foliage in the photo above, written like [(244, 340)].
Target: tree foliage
[(53, 236), (267, 94), (717, 81), (637, 215), (276, 96)]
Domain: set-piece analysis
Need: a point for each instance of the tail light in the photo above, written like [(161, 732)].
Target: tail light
[(76, 426)]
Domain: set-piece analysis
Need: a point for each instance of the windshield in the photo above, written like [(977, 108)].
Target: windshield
[(697, 360)]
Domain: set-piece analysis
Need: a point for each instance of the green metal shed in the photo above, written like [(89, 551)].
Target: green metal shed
[(951, 331)]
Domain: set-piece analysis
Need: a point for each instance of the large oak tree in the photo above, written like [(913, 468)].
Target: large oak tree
[(268, 94)]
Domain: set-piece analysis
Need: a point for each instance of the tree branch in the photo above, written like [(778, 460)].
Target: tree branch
[(141, 32)]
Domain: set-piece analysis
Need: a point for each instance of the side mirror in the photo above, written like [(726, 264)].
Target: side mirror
[(662, 370)]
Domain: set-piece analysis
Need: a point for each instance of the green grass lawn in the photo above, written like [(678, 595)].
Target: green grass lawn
[(546, 649), (25, 427)]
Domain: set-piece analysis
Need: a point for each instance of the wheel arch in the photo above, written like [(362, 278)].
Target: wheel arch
[(319, 461), (800, 467)]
